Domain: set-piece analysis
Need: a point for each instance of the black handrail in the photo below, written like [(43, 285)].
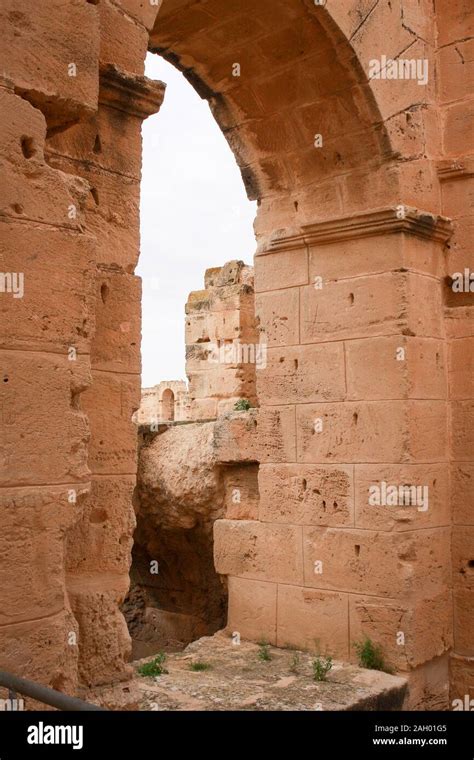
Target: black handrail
[(44, 694)]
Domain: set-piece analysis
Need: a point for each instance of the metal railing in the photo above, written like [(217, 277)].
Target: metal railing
[(40, 693)]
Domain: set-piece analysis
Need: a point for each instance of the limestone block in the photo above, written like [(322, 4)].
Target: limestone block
[(116, 344), (39, 46), (462, 429), (462, 493), (285, 269), (306, 495), (260, 551), (101, 541), (109, 405), (44, 431), (463, 557), (299, 374), (456, 69), (387, 565), (390, 303), (34, 524), (110, 140), (428, 687), (372, 431), (141, 10), (428, 507), (42, 650), (264, 435), (407, 634), (56, 310), (104, 641), (457, 129), (313, 620), (464, 620), (31, 191), (115, 27), (111, 212), (278, 315), (241, 492), (461, 368), (252, 609), (461, 677), (410, 368)]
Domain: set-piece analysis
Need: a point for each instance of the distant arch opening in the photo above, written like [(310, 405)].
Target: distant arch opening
[(167, 405)]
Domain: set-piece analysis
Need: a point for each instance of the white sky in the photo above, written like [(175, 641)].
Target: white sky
[(195, 214)]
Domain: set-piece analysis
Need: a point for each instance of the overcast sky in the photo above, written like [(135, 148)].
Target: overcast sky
[(195, 214)]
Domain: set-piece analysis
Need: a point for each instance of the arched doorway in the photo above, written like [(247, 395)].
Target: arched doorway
[(167, 405)]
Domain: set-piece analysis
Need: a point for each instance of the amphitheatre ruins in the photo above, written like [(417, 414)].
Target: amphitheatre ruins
[(311, 485)]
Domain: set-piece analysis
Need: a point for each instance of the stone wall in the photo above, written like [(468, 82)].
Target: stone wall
[(363, 184), (223, 350), (165, 402)]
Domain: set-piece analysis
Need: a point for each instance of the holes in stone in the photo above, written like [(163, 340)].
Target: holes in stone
[(304, 484), (98, 516), (28, 147), (17, 208), (5, 379), (355, 418), (324, 504), (295, 361), (95, 195), (470, 564), (296, 205), (357, 549), (97, 144), (351, 298), (104, 292), (282, 359)]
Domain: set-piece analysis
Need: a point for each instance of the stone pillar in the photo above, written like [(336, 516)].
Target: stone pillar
[(457, 178), (47, 260), (106, 152), (356, 385)]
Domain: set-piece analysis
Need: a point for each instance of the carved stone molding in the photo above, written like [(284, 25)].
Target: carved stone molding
[(134, 95), (383, 221)]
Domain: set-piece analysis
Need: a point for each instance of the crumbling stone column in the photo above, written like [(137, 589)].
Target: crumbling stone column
[(99, 548)]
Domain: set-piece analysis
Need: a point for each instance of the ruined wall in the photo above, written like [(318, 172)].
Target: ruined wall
[(169, 400), (222, 341), (357, 175)]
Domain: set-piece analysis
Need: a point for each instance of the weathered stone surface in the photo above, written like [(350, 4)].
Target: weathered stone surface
[(238, 680), (307, 495), (357, 176)]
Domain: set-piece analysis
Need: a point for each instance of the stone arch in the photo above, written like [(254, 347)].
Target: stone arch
[(167, 405), (346, 221), (298, 78)]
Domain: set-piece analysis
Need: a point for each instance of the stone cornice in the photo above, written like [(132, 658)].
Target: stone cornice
[(379, 222), (455, 168), (134, 95)]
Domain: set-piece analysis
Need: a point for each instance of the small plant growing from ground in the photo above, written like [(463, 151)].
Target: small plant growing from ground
[(154, 668), (321, 667), (199, 666), (264, 651), (295, 663), (242, 405), (370, 656)]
